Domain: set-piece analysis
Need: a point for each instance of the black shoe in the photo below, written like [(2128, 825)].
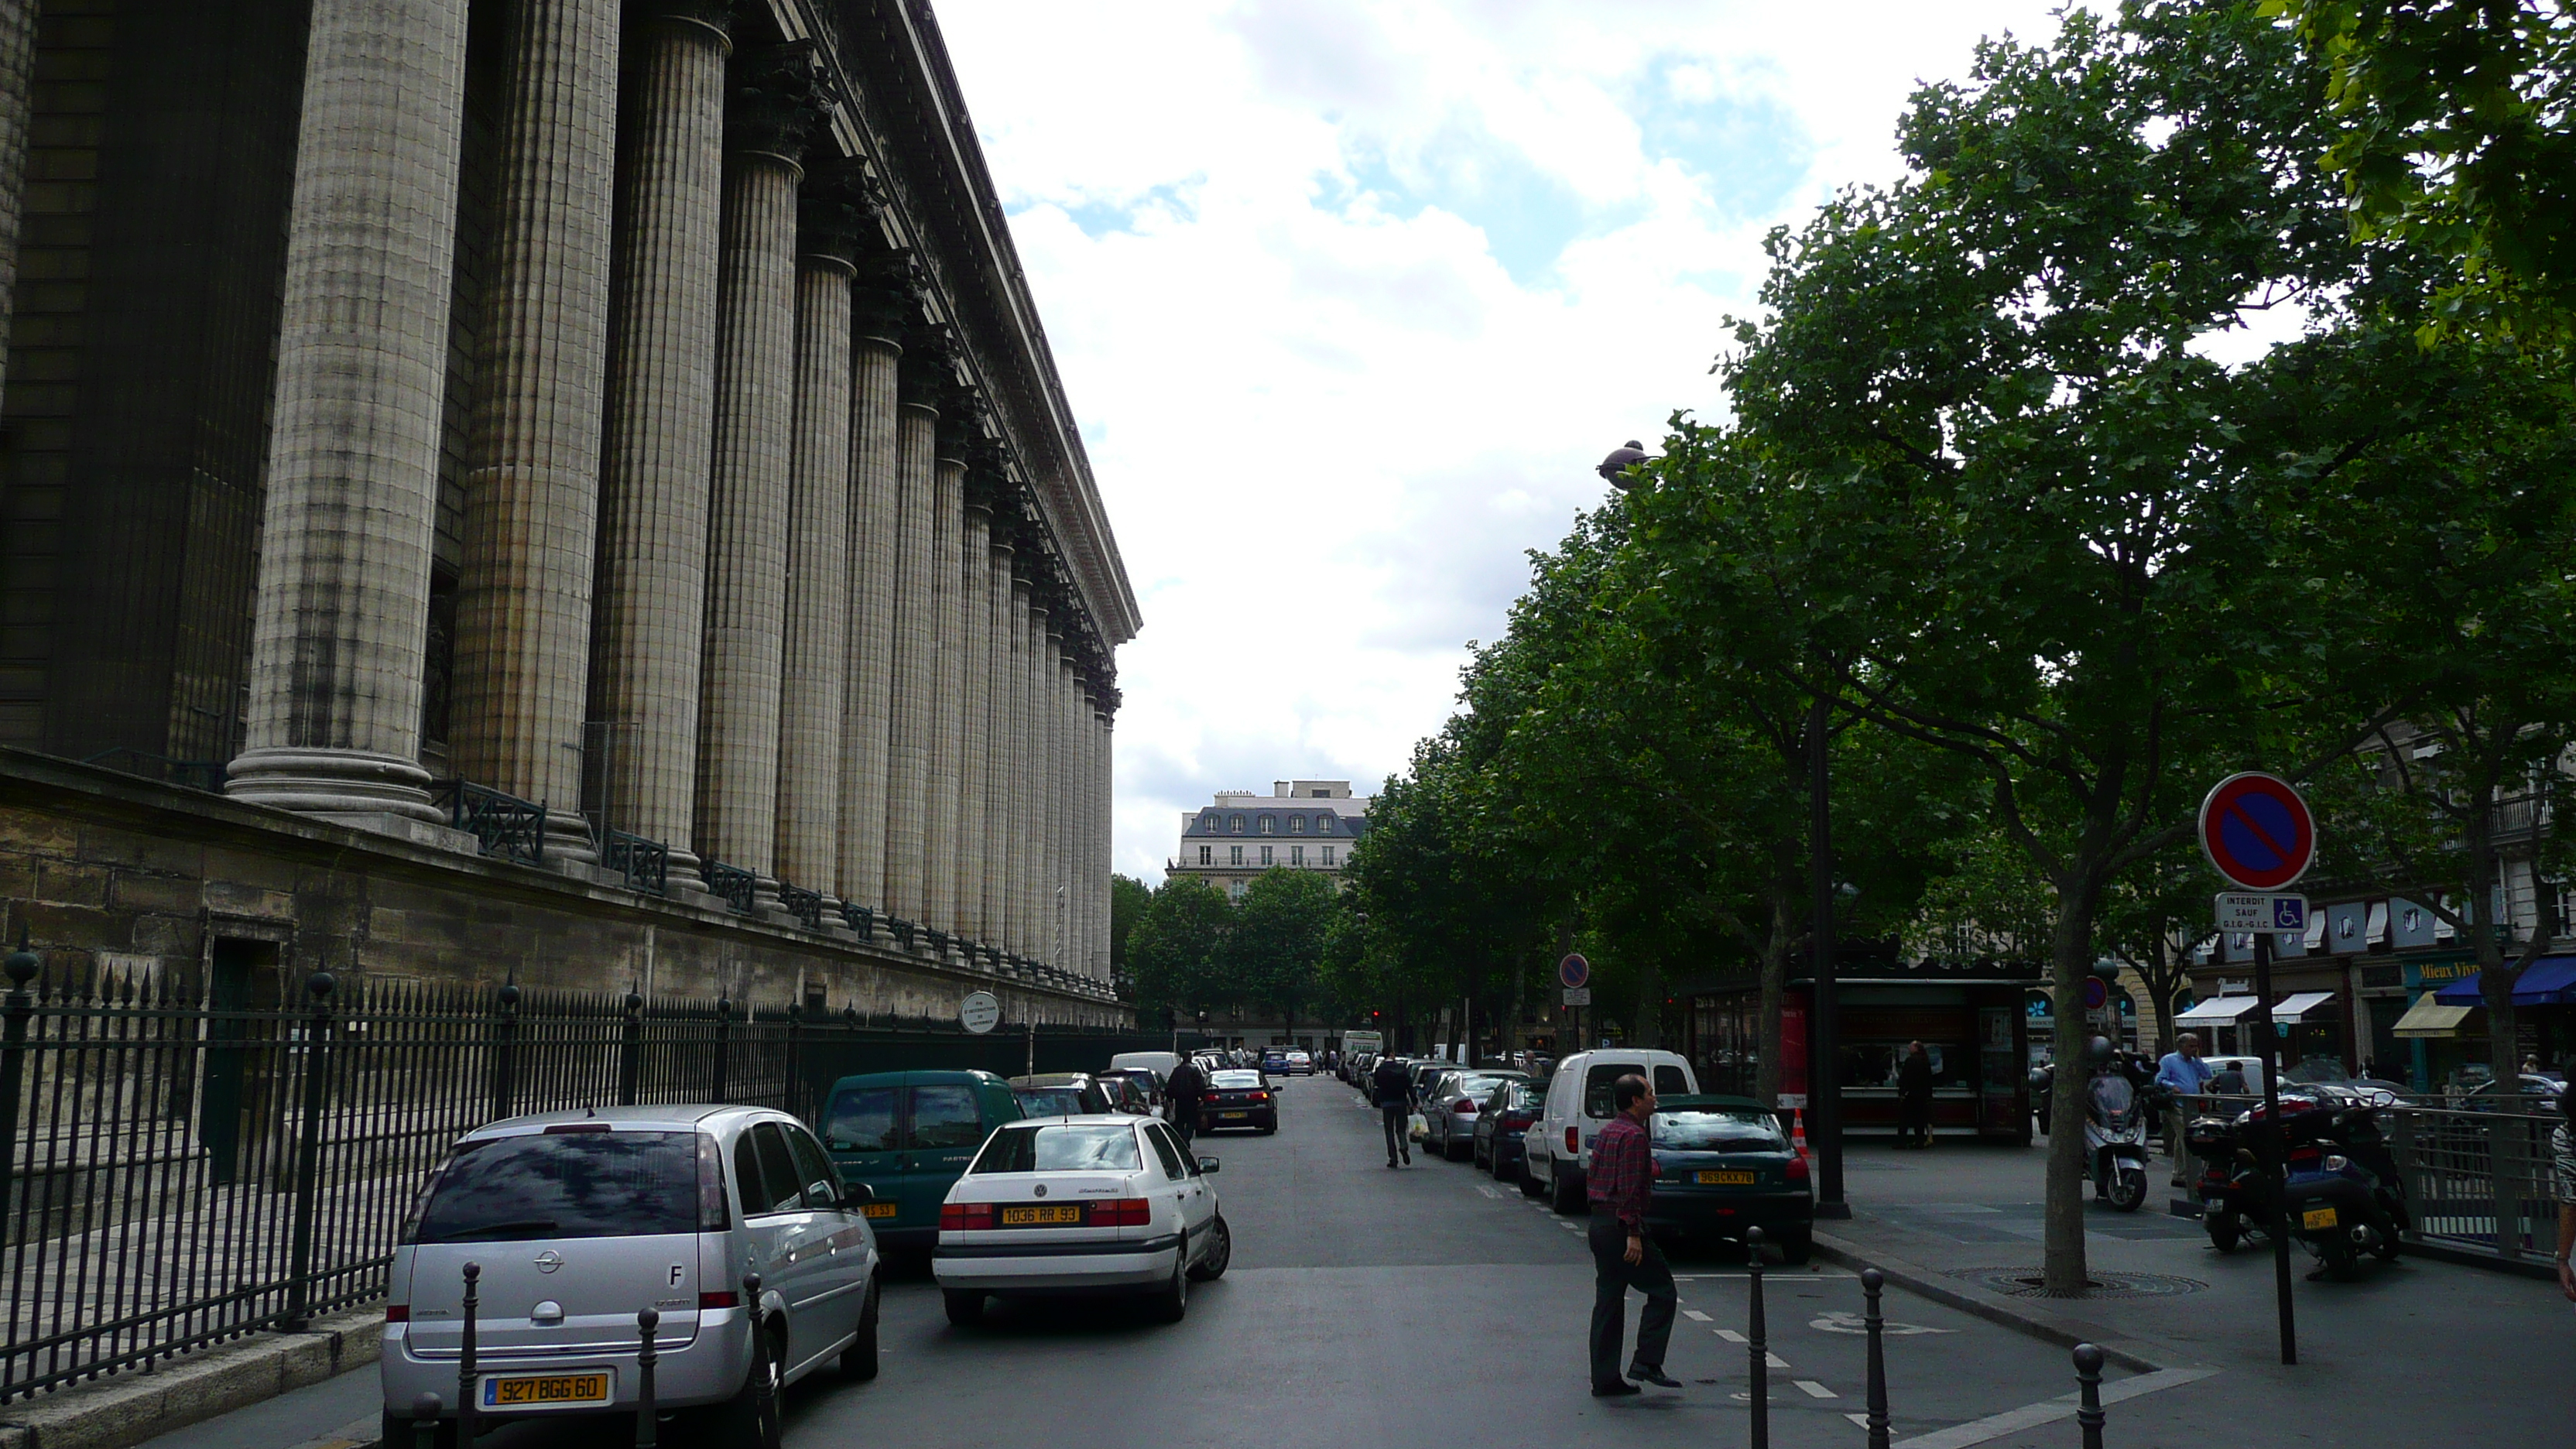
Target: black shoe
[(1390, 1162), (1655, 1376), (1614, 1391)]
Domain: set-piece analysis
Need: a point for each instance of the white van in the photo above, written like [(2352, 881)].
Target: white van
[(1578, 1102)]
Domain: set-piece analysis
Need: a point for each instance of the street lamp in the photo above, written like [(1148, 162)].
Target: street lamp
[(1614, 468)]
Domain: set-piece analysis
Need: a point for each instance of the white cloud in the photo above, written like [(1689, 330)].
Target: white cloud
[(1352, 295)]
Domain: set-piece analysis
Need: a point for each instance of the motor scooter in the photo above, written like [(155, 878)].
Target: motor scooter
[(2340, 1185), (2117, 1115)]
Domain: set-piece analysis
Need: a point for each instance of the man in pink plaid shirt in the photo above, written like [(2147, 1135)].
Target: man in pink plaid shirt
[(1623, 1255)]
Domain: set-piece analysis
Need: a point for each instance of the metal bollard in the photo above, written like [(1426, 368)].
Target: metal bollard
[(1760, 1346), (2088, 1379), (424, 1422), (1871, 1281), (465, 1415), (764, 1391), (647, 1414)]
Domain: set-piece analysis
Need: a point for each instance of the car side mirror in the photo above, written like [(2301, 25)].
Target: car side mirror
[(1208, 1164), (857, 1194)]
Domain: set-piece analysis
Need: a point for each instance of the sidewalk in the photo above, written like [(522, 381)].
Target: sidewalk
[(2426, 1351)]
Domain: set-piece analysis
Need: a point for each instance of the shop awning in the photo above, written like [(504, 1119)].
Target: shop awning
[(2428, 1017), (2217, 1011), (2549, 981), (2298, 1004)]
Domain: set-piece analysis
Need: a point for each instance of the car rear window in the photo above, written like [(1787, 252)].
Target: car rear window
[(565, 1185), (945, 1116), (1234, 1081), (1052, 1101), (1063, 1147), (1736, 1131), (862, 1120)]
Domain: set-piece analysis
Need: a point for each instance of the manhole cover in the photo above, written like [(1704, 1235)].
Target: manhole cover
[(2026, 1283)]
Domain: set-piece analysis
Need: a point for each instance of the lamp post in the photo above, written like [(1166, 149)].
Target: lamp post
[(1824, 1064)]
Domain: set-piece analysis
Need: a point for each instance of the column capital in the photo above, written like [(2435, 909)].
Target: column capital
[(837, 210), (888, 294), (776, 100)]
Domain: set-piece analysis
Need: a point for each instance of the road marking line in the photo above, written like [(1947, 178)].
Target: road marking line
[(1730, 1335), (1995, 1426), (1816, 1390), (1774, 1360), (1860, 1419), (1694, 1315)]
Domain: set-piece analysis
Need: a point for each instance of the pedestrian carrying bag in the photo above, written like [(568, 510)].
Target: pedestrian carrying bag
[(1418, 1128)]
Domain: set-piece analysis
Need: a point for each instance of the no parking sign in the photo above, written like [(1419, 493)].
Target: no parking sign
[(2257, 831)]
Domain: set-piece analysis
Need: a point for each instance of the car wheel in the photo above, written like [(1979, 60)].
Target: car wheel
[(1220, 1252), (965, 1308), (1171, 1302), (859, 1360), (748, 1420), (1797, 1245), (1566, 1197), (1529, 1180), (1449, 1150)]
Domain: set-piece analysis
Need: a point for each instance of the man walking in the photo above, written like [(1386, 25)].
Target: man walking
[(1914, 1097), (1623, 1256), (2185, 1075), (1182, 1091), (1392, 1086)]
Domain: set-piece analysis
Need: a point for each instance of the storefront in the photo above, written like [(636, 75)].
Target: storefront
[(1975, 1028), (2307, 1026), (2544, 1015), (2439, 1040)]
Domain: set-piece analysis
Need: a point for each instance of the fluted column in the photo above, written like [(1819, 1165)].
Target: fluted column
[(1095, 839), (998, 767), (1026, 632), (974, 717), (746, 626), (17, 102), (870, 649), (532, 483), (1067, 802), (1104, 833), (649, 625), (947, 690), (813, 691), (1050, 753), (342, 615), (1078, 739), (916, 671)]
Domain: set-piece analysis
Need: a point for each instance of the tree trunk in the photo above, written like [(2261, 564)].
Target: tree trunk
[(1650, 1007), (2062, 1263), (1774, 991)]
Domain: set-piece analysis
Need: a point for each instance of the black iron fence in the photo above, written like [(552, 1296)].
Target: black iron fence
[(175, 1171)]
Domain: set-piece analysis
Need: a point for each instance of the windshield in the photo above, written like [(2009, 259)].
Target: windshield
[(1067, 1147), (1052, 1101), (2113, 1094), (1729, 1131), (565, 1185), (1232, 1081)]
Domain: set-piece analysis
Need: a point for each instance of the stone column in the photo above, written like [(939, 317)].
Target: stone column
[(1104, 825), (1026, 633), (974, 717), (998, 767), (1077, 733), (939, 834), (17, 102), (340, 627), (915, 664), (813, 707), (1068, 813), (650, 614), (870, 648), (746, 624), (532, 482)]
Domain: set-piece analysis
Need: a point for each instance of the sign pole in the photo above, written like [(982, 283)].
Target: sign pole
[(1824, 1065), (2276, 1162)]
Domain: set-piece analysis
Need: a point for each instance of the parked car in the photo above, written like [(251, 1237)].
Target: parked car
[(1301, 1063), (580, 1220), (1060, 1094), (1722, 1165), (1237, 1098), (907, 1135), (1505, 1121), (1274, 1062), (1450, 1112), (1578, 1101), (1127, 1093), (1081, 1205), (1425, 1073), (1158, 1063)]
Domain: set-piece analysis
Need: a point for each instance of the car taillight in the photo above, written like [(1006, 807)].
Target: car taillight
[(2303, 1156), (965, 1217), (721, 1298), (1572, 1144), (1516, 1119), (397, 1313), (1123, 1212), (1261, 1096), (1465, 1108), (1797, 1169)]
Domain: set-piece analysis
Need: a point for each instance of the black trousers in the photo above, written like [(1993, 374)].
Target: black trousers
[(1612, 1276), (1185, 1118), (1398, 1117), (1913, 1121)]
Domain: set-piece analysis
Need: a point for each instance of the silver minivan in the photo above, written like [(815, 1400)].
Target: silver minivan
[(577, 1221)]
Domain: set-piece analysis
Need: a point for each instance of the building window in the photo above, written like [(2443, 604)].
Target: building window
[(1323, 825), (1238, 825), (1265, 855), (1238, 854), (1296, 824), (1207, 855), (1207, 822), (1234, 889), (1328, 855), (1296, 855), (1269, 826)]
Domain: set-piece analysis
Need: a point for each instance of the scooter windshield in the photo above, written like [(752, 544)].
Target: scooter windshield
[(2113, 1095)]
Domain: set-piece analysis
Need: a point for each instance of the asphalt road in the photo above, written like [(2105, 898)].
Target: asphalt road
[(1426, 1303)]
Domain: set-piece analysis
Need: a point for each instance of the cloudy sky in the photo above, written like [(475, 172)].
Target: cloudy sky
[(1352, 295)]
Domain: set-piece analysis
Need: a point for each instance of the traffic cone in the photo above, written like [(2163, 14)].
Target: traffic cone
[(1798, 1130)]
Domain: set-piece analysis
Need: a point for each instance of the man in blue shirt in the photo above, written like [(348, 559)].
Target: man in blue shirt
[(2187, 1075)]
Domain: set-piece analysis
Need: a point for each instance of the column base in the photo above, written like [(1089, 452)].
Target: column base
[(333, 783)]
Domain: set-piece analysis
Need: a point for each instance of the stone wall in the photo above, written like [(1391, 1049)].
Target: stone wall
[(101, 868)]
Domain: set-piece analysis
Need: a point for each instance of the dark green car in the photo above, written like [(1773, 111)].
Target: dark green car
[(909, 1136), (1722, 1165)]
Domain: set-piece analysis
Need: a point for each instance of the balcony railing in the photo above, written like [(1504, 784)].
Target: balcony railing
[(503, 825), (733, 883), (646, 864), (804, 905)]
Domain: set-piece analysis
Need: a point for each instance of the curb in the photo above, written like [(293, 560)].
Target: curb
[(2138, 1355), (135, 1405)]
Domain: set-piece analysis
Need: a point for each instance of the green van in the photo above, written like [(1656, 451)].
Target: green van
[(909, 1136)]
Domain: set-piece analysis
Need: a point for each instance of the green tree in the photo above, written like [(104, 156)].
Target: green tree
[(1128, 898), (1281, 926), (1177, 947)]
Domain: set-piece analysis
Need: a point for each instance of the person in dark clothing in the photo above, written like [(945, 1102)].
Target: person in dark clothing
[(1392, 1086), (1914, 1097), (1186, 1085), (1624, 1255)]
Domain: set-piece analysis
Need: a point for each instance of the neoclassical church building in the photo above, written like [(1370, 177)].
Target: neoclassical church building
[(568, 490)]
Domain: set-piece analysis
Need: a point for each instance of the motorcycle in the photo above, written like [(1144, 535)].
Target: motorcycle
[(2117, 1117), (2340, 1187)]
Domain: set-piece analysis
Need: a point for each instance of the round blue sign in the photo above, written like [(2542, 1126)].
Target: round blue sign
[(1574, 971)]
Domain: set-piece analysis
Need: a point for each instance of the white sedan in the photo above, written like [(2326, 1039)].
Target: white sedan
[(1099, 1204)]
